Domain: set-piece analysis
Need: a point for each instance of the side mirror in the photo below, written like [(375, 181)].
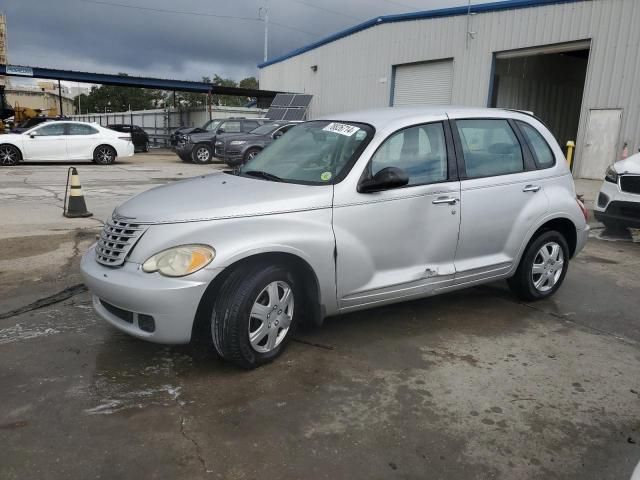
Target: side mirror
[(34, 134), (220, 130), (385, 179)]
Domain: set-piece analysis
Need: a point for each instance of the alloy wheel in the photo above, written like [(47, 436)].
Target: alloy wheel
[(202, 154), (548, 265), (9, 155), (271, 316), (105, 155)]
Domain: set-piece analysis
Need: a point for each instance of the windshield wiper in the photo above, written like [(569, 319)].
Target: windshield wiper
[(261, 174)]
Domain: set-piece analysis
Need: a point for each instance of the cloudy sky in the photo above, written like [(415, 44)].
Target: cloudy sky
[(183, 39)]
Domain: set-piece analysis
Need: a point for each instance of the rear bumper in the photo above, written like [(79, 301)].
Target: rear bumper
[(171, 302)]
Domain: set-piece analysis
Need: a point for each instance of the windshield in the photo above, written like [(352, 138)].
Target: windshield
[(211, 125), (266, 129), (313, 153)]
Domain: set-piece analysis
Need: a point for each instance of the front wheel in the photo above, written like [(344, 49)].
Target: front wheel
[(542, 268), (104, 155), (251, 154), (202, 154), (253, 314), (9, 155)]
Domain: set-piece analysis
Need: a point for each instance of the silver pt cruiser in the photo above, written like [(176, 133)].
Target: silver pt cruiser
[(352, 212)]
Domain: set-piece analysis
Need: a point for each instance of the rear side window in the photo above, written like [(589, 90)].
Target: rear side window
[(248, 126), (420, 151), (490, 148), (541, 149), (79, 129)]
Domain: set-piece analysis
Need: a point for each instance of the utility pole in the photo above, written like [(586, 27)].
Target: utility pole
[(263, 13), (60, 97)]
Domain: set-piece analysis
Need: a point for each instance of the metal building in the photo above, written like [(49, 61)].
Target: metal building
[(575, 63)]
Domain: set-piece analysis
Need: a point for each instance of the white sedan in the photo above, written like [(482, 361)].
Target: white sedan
[(65, 140), (618, 203)]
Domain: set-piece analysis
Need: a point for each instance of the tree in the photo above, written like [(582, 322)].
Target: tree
[(119, 99)]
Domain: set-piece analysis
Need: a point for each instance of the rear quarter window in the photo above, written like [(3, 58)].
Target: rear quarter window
[(541, 149)]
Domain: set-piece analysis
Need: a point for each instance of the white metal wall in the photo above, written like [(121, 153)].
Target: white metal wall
[(355, 72)]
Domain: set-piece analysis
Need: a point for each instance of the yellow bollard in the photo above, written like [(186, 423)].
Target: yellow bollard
[(570, 146)]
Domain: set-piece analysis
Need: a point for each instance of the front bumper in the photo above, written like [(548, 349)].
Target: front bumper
[(171, 302), (614, 205)]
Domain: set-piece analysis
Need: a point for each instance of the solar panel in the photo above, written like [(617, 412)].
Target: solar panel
[(282, 100), (301, 101), (294, 114), (276, 113)]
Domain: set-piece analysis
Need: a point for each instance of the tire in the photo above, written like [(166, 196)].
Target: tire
[(244, 305), (249, 154), (145, 148), (201, 154), (104, 155), (9, 155), (530, 286)]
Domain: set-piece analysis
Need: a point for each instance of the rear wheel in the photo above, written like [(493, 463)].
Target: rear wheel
[(104, 155), (202, 153), (253, 314), (9, 155), (542, 268), (145, 147)]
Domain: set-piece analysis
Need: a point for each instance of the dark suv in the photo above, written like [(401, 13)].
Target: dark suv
[(235, 150), (198, 147), (182, 132), (139, 137)]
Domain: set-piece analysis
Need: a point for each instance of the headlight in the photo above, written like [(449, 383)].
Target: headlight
[(238, 142), (611, 175), (219, 142), (180, 261)]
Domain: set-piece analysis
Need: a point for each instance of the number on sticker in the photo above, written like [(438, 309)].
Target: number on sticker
[(341, 128)]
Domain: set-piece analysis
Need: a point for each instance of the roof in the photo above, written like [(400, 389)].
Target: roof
[(427, 14), (398, 116)]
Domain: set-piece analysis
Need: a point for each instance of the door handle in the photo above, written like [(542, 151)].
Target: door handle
[(448, 200), (531, 188)]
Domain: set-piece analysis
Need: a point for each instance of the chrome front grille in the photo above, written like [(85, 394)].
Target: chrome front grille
[(116, 240)]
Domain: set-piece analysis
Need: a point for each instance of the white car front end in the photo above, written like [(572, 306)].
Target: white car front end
[(618, 203)]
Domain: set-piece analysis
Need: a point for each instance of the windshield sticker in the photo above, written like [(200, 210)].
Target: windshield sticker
[(325, 177), (341, 128)]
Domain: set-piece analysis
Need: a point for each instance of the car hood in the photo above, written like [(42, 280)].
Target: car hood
[(187, 130), (219, 196), (12, 137), (629, 165)]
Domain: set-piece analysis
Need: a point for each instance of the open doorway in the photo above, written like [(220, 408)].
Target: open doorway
[(548, 81)]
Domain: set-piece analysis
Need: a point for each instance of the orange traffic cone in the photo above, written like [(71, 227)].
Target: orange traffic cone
[(76, 207)]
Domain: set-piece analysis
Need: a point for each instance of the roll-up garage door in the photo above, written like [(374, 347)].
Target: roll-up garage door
[(427, 83)]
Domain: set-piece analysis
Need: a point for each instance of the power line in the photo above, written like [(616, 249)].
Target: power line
[(392, 2), (324, 9), (165, 10)]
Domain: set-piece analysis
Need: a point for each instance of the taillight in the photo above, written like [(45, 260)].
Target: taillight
[(128, 139), (583, 208)]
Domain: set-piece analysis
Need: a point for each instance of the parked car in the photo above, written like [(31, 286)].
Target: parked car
[(618, 203), (65, 140), (235, 150), (29, 123), (199, 147), (182, 132), (139, 137), (342, 214)]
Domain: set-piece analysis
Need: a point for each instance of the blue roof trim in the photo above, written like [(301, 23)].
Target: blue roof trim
[(403, 17)]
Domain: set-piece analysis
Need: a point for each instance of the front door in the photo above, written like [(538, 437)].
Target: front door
[(502, 197), (601, 142), (47, 142), (400, 243)]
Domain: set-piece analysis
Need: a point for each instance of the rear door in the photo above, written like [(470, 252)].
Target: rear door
[(400, 243), (502, 196), (47, 142), (82, 140)]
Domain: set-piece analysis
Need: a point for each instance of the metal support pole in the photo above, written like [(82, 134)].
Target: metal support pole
[(264, 12), (60, 97)]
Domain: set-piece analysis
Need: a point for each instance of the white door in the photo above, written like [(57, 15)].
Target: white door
[(400, 242), (81, 141), (427, 83), (47, 142), (600, 143)]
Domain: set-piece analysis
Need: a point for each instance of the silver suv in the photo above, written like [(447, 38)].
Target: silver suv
[(356, 211)]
